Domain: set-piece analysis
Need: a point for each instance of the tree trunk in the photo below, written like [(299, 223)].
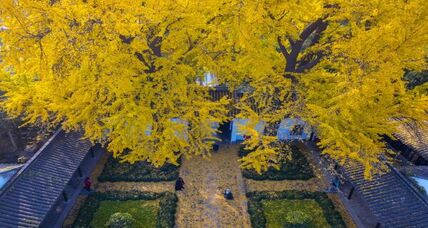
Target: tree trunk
[(12, 139)]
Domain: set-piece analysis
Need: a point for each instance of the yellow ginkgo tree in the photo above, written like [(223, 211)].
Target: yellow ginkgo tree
[(338, 65), (126, 72)]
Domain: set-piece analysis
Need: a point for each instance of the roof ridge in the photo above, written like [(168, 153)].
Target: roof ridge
[(408, 184), (28, 164)]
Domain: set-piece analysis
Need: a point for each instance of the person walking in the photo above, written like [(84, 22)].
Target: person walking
[(179, 184)]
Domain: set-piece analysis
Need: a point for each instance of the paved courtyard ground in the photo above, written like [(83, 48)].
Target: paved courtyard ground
[(202, 203)]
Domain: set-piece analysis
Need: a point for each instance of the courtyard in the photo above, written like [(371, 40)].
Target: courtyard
[(258, 201), (321, 108)]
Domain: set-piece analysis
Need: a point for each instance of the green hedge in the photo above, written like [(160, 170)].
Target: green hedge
[(139, 171), (297, 168), (258, 219), (166, 214)]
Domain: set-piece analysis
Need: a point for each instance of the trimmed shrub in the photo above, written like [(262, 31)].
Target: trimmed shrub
[(258, 219), (120, 220), (167, 209), (297, 168), (115, 170)]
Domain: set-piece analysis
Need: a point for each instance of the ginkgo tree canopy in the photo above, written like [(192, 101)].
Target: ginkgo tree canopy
[(122, 70), (338, 65)]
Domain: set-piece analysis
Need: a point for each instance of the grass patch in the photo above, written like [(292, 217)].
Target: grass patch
[(297, 168), (144, 212), (149, 208), (139, 171), (270, 209), (277, 212)]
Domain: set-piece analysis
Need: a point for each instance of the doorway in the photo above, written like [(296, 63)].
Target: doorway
[(225, 131)]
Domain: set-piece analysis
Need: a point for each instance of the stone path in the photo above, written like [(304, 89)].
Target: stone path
[(72, 215), (202, 204), (313, 184), (140, 186)]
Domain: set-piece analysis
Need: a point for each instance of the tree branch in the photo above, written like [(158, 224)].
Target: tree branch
[(150, 67), (155, 46), (126, 39), (296, 46), (282, 47), (310, 29), (309, 64)]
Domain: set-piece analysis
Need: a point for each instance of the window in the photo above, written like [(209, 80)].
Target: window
[(208, 79)]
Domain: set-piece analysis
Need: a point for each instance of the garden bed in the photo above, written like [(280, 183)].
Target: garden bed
[(292, 209), (115, 170), (297, 168), (147, 208)]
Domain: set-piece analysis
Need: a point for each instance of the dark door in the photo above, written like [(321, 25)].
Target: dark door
[(225, 131)]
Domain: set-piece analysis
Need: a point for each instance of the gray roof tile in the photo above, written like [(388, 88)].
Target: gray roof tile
[(390, 198), (415, 136), (30, 195)]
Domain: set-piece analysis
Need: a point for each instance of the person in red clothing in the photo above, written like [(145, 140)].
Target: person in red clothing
[(87, 183)]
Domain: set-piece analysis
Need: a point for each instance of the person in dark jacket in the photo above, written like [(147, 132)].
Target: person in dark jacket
[(179, 184), (228, 194), (87, 183)]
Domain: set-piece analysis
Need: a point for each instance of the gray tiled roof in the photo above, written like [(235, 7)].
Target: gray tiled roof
[(420, 171), (415, 136), (391, 199), (29, 196)]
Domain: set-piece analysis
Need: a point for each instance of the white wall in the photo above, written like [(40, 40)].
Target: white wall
[(236, 135), (286, 127)]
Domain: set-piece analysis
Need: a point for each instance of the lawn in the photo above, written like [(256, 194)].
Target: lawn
[(292, 209), (115, 170), (149, 209), (277, 212), (298, 168), (144, 212)]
